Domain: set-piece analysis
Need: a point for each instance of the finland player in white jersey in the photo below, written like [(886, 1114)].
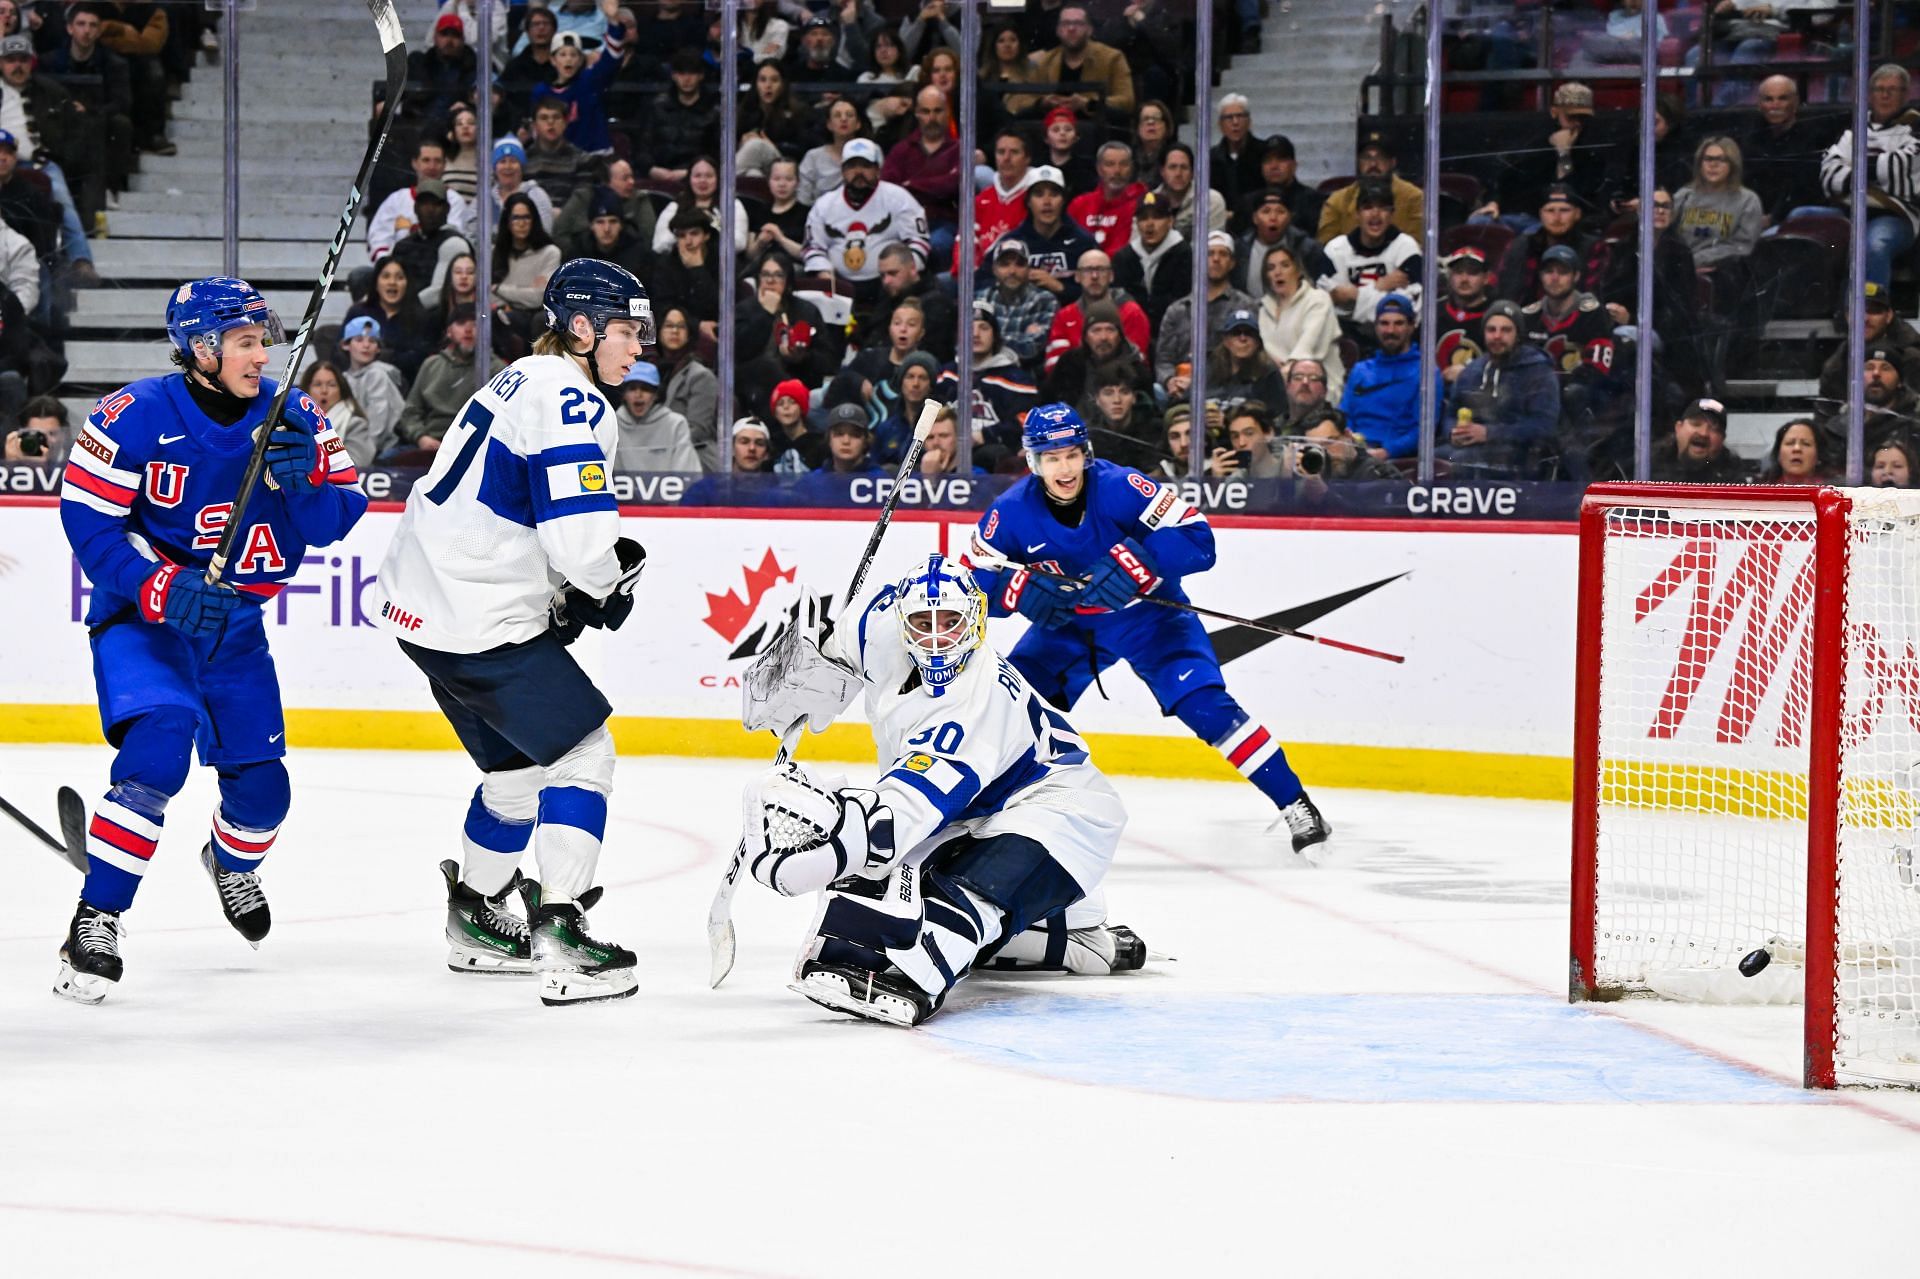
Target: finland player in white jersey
[(985, 839), (508, 545)]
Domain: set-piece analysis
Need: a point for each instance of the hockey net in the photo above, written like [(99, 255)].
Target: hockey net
[(1747, 760)]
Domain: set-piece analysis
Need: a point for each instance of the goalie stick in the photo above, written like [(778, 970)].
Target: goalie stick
[(721, 943), (978, 557), (73, 827), (394, 41)]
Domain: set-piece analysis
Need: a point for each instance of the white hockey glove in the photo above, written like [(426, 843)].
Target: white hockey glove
[(793, 680), (801, 836)]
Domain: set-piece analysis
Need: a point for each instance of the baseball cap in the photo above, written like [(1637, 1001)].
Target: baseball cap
[(1048, 174), (851, 416), (1279, 144), (751, 426), (1886, 355), (1269, 195), (509, 146), (1877, 296), (9, 141), (818, 20), (461, 313), (1374, 140), (1559, 193), (360, 326), (603, 203), (448, 22), (1244, 321), (1575, 97), (16, 45), (1467, 254), (1511, 310), (1152, 205), (569, 39), (1220, 240), (1562, 255), (1396, 302), (432, 188), (859, 149), (1011, 249), (643, 373), (1707, 410), (1062, 113)]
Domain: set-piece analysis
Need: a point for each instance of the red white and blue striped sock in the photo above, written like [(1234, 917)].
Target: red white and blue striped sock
[(1256, 753), (235, 847), (120, 842)]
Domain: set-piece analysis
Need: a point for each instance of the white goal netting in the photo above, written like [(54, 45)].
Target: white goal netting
[(1707, 726)]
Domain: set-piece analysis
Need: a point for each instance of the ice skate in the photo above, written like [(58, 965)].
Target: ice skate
[(90, 957), (1307, 828), (574, 968), (484, 935), (241, 898), (889, 997)]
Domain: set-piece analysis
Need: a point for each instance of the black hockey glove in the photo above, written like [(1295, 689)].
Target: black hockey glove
[(613, 610)]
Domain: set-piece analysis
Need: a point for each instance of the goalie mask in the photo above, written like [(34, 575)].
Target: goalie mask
[(943, 619)]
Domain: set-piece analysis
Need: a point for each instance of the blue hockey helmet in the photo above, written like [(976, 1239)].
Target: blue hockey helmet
[(943, 619), (601, 291), (1052, 426), (199, 311)]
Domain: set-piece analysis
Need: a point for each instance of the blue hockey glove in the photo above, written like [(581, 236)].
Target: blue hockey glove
[(1045, 602), (613, 610), (1122, 575), (293, 458), (183, 599)]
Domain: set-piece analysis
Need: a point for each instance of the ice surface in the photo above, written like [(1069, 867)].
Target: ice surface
[(1364, 1069)]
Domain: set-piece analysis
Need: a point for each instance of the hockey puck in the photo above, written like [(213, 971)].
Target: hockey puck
[(1755, 962)]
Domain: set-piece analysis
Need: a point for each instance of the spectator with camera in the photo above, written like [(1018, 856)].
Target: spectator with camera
[(44, 435), (1330, 450), (1696, 451), (652, 436), (1251, 452), (1505, 404), (1382, 396)]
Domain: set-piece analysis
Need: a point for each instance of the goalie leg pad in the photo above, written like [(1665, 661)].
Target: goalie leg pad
[(959, 923), (499, 827)]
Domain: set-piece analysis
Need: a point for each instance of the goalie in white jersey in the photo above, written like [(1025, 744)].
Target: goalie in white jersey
[(983, 842), (509, 545)]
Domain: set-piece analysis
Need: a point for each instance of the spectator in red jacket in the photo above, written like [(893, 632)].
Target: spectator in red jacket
[(1094, 274), (1107, 211)]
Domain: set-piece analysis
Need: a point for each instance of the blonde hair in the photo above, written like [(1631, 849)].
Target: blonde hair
[(1736, 167)]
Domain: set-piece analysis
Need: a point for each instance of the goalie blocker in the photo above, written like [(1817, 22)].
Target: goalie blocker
[(988, 822)]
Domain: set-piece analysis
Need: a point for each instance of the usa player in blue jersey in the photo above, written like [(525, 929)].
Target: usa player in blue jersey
[(1125, 536), (180, 663)]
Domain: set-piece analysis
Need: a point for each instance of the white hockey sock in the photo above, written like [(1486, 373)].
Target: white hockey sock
[(499, 827)]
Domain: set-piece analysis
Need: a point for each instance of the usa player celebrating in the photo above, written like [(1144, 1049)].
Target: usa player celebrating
[(179, 662), (1127, 536), (984, 840), (507, 546)]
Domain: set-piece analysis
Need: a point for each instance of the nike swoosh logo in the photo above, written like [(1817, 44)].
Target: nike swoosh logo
[(171, 439), (1183, 677), (277, 736), (1367, 390), (1039, 547)]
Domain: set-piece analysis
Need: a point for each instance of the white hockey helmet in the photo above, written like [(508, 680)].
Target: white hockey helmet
[(943, 619)]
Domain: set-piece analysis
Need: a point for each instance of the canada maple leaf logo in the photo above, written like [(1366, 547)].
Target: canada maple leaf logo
[(729, 614)]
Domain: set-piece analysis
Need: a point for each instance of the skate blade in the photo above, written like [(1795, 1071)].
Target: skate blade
[(830, 990), (81, 988), (487, 964), (1320, 854), (559, 989)]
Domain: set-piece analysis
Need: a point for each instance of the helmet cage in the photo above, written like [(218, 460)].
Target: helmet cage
[(943, 620)]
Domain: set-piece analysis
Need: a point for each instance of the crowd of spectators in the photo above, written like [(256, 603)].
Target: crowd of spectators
[(86, 90), (1086, 220)]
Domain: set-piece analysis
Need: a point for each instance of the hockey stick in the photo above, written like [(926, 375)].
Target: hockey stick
[(73, 824), (394, 41), (721, 943), (1285, 632)]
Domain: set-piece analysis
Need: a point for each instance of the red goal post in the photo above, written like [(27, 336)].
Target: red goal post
[(1747, 759)]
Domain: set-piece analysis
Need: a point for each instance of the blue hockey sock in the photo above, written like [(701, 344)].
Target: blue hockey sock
[(1248, 745)]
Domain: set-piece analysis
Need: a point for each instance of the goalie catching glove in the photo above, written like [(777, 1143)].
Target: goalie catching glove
[(801, 836), (574, 609), (793, 680)]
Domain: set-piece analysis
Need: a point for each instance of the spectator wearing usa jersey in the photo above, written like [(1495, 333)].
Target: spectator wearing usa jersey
[(1094, 274), (1054, 241), (1002, 206), (1369, 262), (1107, 211)]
